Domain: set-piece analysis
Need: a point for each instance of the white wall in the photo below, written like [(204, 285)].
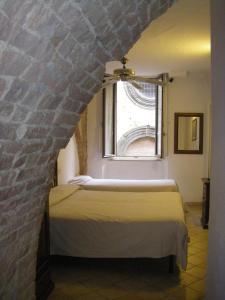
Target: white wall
[(187, 94), (68, 163)]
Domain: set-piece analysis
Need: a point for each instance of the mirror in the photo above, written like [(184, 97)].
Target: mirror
[(188, 133)]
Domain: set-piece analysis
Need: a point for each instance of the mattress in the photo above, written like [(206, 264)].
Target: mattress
[(106, 224), (157, 185)]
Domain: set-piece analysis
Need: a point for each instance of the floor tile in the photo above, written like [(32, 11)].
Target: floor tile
[(185, 293)]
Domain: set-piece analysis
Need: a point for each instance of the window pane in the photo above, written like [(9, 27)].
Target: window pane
[(108, 107), (136, 119), (159, 120)]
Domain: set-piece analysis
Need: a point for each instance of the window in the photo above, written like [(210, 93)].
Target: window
[(132, 120)]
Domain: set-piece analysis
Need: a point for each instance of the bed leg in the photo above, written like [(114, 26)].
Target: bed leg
[(172, 263)]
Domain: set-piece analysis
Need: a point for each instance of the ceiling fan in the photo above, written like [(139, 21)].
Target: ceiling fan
[(128, 75)]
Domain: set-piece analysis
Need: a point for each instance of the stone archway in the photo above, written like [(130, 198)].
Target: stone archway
[(52, 58)]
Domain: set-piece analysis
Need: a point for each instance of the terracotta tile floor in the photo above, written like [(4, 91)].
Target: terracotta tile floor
[(135, 279)]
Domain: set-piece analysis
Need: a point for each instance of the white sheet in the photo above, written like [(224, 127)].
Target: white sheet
[(115, 224), (158, 185)]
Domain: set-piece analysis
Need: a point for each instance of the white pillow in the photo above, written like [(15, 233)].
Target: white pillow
[(60, 192), (82, 179)]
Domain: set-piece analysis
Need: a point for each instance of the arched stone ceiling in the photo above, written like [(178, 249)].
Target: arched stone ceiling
[(52, 60)]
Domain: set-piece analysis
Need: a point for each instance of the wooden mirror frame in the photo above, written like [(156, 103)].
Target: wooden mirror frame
[(176, 118)]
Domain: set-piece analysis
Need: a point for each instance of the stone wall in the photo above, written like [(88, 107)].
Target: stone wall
[(52, 58)]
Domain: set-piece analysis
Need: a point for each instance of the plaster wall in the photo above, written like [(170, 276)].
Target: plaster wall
[(190, 93), (68, 162)]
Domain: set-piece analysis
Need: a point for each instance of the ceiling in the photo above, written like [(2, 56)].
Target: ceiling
[(177, 42)]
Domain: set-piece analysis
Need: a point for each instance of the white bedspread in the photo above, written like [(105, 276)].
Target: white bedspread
[(115, 224), (158, 185)]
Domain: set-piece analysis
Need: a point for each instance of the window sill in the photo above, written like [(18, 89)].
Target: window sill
[(134, 158)]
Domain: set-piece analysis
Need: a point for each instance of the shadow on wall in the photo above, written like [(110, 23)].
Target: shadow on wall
[(68, 162)]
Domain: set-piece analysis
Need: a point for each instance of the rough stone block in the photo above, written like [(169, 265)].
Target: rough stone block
[(50, 102), (94, 12), (42, 159), (12, 191), (55, 4), (135, 32), (117, 51), (66, 119), (143, 15), (52, 75), (32, 160), (62, 86), (82, 32), (67, 46), (76, 92), (63, 65), (115, 11), (89, 83), (5, 27), (11, 147), (78, 55), (7, 179), (33, 72), (47, 144), (60, 143), (24, 40), (102, 54), (17, 91), (32, 147), (6, 110), (38, 117), (26, 173), (44, 22), (13, 63), (20, 17), (7, 131), (124, 35), (59, 35), (107, 37), (99, 73), (93, 64), (6, 162), (12, 8), (73, 105), (2, 86), (60, 132), (69, 13), (35, 94), (20, 114), (36, 132), (43, 52), (21, 131), (19, 161)]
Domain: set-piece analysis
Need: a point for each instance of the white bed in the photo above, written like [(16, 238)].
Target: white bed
[(105, 224), (125, 185)]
